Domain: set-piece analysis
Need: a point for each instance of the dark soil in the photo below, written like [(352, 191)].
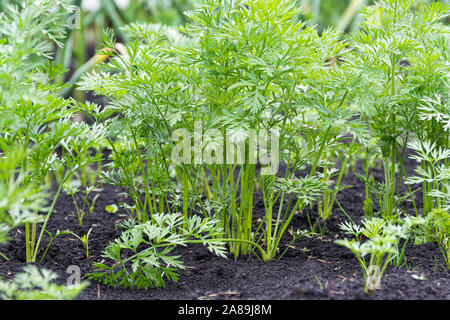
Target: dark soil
[(313, 268)]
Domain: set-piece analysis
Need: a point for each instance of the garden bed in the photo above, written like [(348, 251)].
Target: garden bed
[(315, 268), (146, 193)]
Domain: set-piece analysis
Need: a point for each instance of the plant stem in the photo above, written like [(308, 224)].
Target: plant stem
[(4, 257), (185, 196), (48, 216)]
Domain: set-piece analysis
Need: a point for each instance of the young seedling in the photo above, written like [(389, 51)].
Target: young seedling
[(381, 245), (52, 239), (72, 188), (85, 241), (140, 258), (436, 229), (297, 235)]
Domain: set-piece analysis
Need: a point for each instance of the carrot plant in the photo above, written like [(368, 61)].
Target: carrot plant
[(399, 56), (254, 64), (84, 239), (37, 284), (198, 119), (72, 188), (19, 201), (332, 129), (432, 151), (248, 84), (142, 256), (34, 117), (437, 229), (144, 89), (381, 245), (434, 175)]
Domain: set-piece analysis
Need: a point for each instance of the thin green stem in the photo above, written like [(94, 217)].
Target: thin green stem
[(4, 257), (50, 211)]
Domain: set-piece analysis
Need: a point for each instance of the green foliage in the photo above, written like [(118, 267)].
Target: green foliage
[(437, 229), (249, 75), (381, 245), (248, 65), (37, 284), (18, 201), (85, 241), (434, 174), (236, 67), (340, 14), (72, 188), (143, 94), (253, 65), (141, 257), (400, 59), (33, 115)]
